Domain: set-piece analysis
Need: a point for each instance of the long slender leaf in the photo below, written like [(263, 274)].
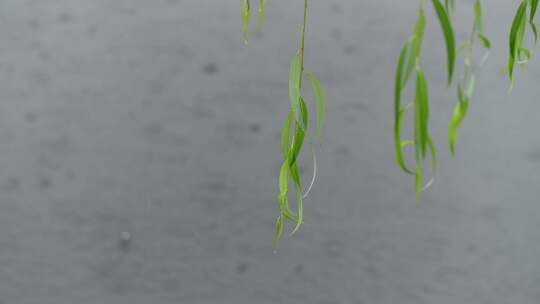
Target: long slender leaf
[(278, 232), (515, 37), (422, 110), (246, 19), (286, 135), (260, 22), (294, 86), (320, 101), (449, 38), (457, 118)]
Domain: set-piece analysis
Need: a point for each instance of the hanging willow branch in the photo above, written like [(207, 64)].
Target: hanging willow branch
[(518, 54), (409, 62), (466, 83), (295, 130)]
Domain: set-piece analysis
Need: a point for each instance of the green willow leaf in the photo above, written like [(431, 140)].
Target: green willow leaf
[(516, 36), (418, 35), (400, 144), (295, 173), (300, 133), (534, 8), (421, 113), (278, 232), (485, 41), (418, 181), (286, 135), (478, 19), (295, 71), (458, 116), (449, 6), (246, 19), (284, 181), (479, 25), (534, 29), (524, 55), (448, 37), (283, 201), (320, 101), (402, 75), (260, 22), (532, 15)]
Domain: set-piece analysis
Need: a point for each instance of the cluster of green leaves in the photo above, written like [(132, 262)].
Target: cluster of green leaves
[(518, 54), (295, 131), (466, 83), (409, 62), (246, 18)]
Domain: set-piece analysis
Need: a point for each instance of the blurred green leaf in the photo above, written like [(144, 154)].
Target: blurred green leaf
[(320, 101), (448, 36)]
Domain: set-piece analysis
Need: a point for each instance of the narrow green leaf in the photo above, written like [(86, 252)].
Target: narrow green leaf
[(534, 7), (534, 29), (524, 55), (260, 22), (320, 101), (418, 182), (286, 135), (300, 133), (449, 5), (516, 36), (402, 76), (448, 36), (278, 232), (418, 36), (485, 41), (422, 111), (458, 116), (295, 173), (246, 16), (294, 86), (478, 20), (284, 180)]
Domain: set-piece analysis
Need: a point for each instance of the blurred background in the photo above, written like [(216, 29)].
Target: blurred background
[(140, 150)]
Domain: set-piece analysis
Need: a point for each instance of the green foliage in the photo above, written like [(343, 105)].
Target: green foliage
[(465, 86), (444, 19), (246, 18), (295, 131), (409, 61), (518, 53)]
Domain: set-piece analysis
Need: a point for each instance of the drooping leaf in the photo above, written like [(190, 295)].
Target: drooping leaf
[(403, 72), (278, 232), (418, 181), (449, 38), (286, 135), (534, 8), (246, 19), (294, 86), (459, 114), (300, 133), (320, 101), (478, 19), (422, 112), (485, 41), (418, 35), (295, 173), (515, 37), (260, 22)]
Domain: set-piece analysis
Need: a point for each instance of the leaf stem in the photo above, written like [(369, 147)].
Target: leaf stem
[(302, 42)]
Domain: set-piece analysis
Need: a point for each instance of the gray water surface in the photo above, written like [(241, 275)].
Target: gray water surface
[(140, 150)]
